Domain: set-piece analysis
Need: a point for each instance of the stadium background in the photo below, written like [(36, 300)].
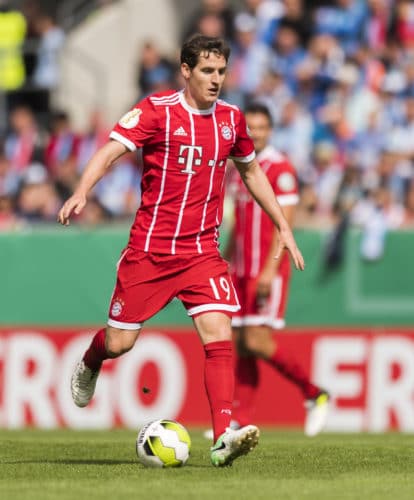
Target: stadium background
[(351, 314)]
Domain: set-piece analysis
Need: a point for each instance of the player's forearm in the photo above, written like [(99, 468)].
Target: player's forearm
[(270, 262), (258, 185), (98, 166)]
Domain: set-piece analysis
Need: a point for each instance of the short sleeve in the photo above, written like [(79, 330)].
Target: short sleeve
[(137, 126), (286, 185), (243, 147)]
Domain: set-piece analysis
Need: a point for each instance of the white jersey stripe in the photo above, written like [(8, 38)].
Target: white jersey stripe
[(256, 236), (255, 250), (165, 98), (210, 189), (233, 126), (167, 103), (275, 296), (164, 175), (239, 237), (187, 189)]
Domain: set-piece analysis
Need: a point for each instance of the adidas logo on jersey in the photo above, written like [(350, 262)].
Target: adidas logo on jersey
[(180, 131)]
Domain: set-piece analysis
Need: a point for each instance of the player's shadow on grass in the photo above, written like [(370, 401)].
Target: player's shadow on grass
[(74, 461), (84, 461)]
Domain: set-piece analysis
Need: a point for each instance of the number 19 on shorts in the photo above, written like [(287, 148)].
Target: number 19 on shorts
[(221, 288)]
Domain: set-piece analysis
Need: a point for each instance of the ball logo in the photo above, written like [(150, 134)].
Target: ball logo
[(226, 132), (116, 308), (130, 119)]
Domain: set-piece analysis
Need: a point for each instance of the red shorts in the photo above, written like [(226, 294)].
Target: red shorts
[(268, 312), (147, 282)]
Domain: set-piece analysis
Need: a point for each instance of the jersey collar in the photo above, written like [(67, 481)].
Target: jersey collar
[(195, 111), (265, 153)]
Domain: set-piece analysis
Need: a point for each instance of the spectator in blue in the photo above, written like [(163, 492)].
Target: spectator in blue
[(287, 53), (119, 191), (345, 20), (267, 14), (295, 12), (155, 71), (217, 8), (369, 144), (52, 39), (249, 58), (295, 127)]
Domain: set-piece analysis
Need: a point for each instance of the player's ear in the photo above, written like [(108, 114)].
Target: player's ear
[(185, 71)]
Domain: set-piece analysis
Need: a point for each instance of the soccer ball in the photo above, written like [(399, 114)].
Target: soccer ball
[(163, 443)]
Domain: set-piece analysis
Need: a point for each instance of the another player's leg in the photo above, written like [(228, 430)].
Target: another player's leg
[(259, 341), (109, 343), (316, 398), (246, 382), (214, 329)]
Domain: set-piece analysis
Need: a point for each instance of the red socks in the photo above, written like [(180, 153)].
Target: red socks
[(291, 370), (96, 352), (219, 381), (247, 381)]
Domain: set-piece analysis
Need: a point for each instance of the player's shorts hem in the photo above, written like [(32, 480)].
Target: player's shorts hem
[(212, 307), (277, 323), (124, 326)]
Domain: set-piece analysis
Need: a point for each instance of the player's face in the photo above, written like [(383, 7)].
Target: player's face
[(260, 130), (204, 81)]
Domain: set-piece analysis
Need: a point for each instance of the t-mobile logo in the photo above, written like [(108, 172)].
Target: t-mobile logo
[(187, 158)]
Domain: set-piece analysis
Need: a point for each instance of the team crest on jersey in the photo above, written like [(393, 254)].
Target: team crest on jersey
[(117, 306), (226, 131), (130, 119), (286, 182)]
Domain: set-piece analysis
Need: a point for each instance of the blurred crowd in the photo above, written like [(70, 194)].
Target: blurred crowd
[(337, 76)]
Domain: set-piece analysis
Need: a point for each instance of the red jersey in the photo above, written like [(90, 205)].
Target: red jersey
[(184, 155), (253, 227)]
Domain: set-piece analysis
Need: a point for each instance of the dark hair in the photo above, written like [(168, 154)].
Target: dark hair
[(257, 107), (198, 44)]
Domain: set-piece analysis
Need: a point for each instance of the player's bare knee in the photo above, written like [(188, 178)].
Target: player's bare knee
[(118, 342), (252, 344), (255, 340), (213, 326)]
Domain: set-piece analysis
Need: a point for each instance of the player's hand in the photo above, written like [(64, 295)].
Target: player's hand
[(74, 204), (286, 240)]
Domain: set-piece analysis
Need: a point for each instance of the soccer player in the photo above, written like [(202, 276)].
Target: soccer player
[(261, 282), (186, 138)]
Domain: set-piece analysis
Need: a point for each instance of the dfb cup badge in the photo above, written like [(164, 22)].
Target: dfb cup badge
[(130, 119)]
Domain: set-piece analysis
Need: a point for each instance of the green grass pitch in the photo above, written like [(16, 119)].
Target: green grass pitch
[(61, 465)]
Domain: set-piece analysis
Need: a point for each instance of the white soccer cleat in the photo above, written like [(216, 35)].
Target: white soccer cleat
[(316, 414), (83, 384), (233, 444), (209, 433)]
